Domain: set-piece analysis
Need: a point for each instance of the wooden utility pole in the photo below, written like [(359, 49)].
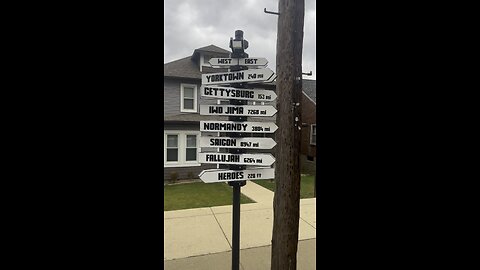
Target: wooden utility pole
[(286, 206)]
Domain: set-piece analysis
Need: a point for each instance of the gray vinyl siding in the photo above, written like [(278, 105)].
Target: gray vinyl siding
[(172, 95), (181, 126)]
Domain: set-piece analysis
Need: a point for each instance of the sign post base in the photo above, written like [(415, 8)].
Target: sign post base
[(236, 223)]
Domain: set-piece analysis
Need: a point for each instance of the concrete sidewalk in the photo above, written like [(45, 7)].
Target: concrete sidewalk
[(258, 258), (203, 231)]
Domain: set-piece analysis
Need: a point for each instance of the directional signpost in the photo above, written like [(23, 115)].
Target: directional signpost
[(217, 91), (251, 62), (239, 159), (243, 76), (233, 126), (246, 143), (217, 175), (232, 85), (238, 110)]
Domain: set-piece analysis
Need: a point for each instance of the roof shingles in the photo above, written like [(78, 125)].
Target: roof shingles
[(188, 67), (183, 68)]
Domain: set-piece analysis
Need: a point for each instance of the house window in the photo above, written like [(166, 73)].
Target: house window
[(181, 148), (191, 148), (313, 135), (188, 97), (172, 148)]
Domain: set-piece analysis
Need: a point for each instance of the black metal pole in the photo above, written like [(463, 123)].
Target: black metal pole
[(237, 184), (236, 227), (236, 191)]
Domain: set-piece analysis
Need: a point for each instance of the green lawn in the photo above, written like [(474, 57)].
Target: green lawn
[(306, 186), (195, 195)]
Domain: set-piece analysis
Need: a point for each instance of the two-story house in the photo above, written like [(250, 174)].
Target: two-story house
[(309, 129), (182, 99)]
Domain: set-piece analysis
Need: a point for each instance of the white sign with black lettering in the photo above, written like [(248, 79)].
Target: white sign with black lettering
[(242, 143), (232, 126), (251, 61), (249, 75), (237, 110), (239, 159), (219, 175), (217, 91)]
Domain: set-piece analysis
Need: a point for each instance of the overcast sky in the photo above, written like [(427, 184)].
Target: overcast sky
[(192, 24)]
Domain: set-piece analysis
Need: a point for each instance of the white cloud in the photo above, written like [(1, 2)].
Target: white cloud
[(191, 24)]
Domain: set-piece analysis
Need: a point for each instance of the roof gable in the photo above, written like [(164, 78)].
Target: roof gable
[(188, 67), (212, 48)]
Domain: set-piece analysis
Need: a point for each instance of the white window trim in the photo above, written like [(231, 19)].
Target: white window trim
[(182, 85), (311, 134), (203, 63), (166, 148), (182, 148)]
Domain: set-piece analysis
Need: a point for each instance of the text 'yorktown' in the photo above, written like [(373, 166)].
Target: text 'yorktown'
[(225, 77)]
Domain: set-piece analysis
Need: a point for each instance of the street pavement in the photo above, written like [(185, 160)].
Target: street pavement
[(202, 236)]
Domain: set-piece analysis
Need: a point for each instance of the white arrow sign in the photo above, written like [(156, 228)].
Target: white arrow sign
[(237, 110), (243, 143), (240, 159), (223, 61), (231, 126), (250, 75), (216, 175), (251, 61), (217, 91)]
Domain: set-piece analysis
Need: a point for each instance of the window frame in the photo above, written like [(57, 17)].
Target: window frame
[(182, 97), (197, 141), (182, 149), (166, 148), (311, 134)]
